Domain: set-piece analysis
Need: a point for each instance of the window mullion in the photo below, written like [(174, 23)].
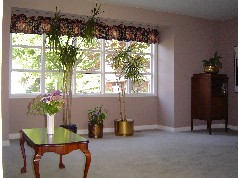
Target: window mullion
[(10, 65), (74, 81), (74, 72), (42, 78), (102, 66), (154, 63), (129, 85)]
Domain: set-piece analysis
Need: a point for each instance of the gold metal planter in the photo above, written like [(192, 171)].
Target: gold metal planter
[(124, 127), (211, 70)]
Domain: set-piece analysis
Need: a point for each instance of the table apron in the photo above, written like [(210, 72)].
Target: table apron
[(61, 149)]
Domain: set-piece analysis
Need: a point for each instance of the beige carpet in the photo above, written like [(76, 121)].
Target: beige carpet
[(148, 154)]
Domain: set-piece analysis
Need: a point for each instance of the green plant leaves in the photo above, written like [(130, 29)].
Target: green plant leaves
[(89, 29), (213, 61), (97, 115), (129, 65)]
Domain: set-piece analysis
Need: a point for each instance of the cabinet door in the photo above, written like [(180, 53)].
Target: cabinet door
[(219, 98), (201, 98), (219, 87), (219, 108)]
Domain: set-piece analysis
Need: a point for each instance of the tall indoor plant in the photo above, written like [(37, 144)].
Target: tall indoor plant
[(67, 55), (127, 65)]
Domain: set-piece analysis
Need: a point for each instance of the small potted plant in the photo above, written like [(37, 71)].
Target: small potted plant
[(96, 117), (213, 64)]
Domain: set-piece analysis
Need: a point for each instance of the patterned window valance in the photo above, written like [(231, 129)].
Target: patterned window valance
[(20, 23)]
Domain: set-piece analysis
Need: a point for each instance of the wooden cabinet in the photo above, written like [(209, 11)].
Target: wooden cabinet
[(209, 100)]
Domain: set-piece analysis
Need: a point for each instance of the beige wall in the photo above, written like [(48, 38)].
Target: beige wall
[(146, 108), (5, 69), (166, 78), (185, 42), (227, 39)]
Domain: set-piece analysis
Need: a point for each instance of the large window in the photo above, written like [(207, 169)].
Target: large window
[(32, 69)]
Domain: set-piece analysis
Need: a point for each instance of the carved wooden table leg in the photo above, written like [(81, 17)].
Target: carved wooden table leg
[(61, 165), (36, 161), (87, 164), (88, 159), (22, 140)]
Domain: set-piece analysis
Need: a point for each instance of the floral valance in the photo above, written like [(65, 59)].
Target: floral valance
[(20, 23)]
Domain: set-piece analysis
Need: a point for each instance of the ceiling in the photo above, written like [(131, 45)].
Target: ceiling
[(207, 9)]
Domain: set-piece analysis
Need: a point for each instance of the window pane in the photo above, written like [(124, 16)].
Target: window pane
[(90, 61), (96, 44), (113, 84), (51, 61), (25, 82), (146, 59), (26, 39), (53, 81), (147, 65), (108, 62), (114, 44), (26, 58), (142, 47), (63, 40), (88, 83), (143, 87)]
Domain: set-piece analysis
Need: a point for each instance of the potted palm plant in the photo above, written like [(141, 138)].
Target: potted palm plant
[(213, 64), (96, 117), (127, 65), (66, 56)]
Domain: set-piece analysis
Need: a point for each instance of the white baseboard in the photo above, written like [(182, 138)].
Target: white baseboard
[(85, 131), (5, 143), (233, 127), (14, 136), (165, 128), (199, 127), (111, 130), (145, 127), (137, 128), (108, 130)]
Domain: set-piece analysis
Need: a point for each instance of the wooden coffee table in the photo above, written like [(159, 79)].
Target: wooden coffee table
[(61, 142)]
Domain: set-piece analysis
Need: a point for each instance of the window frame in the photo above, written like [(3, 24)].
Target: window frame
[(102, 72)]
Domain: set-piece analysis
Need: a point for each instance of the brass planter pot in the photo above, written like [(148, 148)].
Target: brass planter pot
[(211, 70), (124, 127), (95, 131)]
